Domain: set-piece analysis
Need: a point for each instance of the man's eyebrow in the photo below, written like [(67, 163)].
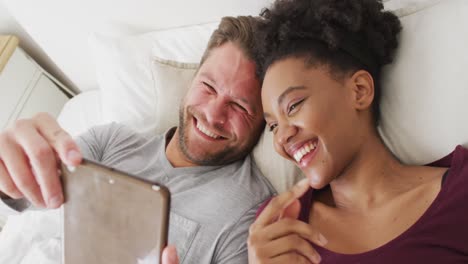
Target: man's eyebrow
[(207, 77), (288, 91)]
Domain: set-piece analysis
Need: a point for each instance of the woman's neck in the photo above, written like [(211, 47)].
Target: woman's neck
[(373, 177)]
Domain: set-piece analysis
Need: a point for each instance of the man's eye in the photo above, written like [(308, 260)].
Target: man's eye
[(272, 127), (240, 107), (294, 106), (209, 87)]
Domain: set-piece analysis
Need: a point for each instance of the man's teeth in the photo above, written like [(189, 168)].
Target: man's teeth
[(304, 150), (205, 131)]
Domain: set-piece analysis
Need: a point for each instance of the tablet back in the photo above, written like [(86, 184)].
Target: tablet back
[(112, 217)]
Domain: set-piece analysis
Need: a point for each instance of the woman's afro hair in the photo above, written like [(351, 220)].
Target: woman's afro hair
[(354, 26)]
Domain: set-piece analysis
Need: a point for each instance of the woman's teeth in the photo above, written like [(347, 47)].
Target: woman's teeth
[(304, 150), (205, 131)]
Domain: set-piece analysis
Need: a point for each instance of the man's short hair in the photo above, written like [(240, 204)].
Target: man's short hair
[(238, 30)]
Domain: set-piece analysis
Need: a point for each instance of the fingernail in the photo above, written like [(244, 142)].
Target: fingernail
[(73, 155), (323, 241), (55, 201), (71, 168), (316, 259)]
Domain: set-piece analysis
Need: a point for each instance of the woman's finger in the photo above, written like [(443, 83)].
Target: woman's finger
[(292, 243), (278, 204), (287, 226), (291, 257)]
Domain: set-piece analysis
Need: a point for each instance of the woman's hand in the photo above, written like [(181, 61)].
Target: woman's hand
[(278, 237)]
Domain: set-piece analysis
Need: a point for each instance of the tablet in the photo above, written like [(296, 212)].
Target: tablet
[(112, 217)]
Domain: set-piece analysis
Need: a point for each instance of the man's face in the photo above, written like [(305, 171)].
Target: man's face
[(221, 116)]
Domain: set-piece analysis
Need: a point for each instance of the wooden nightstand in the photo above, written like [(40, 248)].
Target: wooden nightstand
[(25, 88)]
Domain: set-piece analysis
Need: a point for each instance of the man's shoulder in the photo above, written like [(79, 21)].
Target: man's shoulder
[(114, 133), (249, 185), (114, 129), (111, 141)]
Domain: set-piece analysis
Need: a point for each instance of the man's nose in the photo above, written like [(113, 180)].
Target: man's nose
[(216, 112)]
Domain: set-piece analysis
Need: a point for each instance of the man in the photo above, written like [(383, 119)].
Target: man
[(216, 188)]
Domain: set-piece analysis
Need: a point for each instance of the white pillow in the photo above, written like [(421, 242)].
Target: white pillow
[(172, 81), (406, 7), (142, 86), (81, 112), (426, 89), (124, 72)]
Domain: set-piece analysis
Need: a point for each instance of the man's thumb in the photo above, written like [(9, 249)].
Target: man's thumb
[(169, 255)]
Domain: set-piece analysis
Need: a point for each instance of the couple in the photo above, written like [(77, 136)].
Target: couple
[(318, 65)]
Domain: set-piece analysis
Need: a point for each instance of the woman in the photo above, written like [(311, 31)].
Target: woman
[(322, 61)]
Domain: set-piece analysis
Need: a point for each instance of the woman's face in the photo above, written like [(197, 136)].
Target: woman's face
[(313, 118)]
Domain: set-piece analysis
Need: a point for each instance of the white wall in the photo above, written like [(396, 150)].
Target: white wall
[(62, 27), (8, 26)]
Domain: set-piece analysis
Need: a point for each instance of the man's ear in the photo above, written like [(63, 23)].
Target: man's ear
[(362, 85)]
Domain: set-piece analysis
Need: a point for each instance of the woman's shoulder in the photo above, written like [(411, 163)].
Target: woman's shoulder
[(457, 162)]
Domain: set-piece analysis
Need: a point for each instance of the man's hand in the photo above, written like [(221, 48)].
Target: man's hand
[(278, 237), (169, 255), (30, 154)]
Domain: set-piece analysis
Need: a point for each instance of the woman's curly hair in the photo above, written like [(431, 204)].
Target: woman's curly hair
[(345, 35)]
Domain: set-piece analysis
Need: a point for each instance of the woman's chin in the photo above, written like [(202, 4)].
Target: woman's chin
[(316, 180)]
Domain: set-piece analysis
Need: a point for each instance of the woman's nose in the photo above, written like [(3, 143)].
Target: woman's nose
[(285, 133)]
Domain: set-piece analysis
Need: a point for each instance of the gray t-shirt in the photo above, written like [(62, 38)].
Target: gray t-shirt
[(212, 207)]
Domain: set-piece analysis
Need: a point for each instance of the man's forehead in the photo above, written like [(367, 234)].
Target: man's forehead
[(230, 57), (229, 61)]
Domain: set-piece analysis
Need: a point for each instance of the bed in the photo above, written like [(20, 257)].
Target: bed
[(125, 51)]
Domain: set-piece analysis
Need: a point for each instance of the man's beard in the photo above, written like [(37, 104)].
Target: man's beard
[(225, 156)]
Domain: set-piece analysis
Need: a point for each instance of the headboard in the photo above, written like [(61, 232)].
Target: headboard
[(61, 28)]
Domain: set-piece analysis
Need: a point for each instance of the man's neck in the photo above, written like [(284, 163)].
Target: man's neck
[(174, 153)]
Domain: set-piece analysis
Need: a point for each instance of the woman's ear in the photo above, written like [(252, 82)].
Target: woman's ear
[(362, 85)]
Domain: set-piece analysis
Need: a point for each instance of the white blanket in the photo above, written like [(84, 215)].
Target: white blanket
[(33, 237)]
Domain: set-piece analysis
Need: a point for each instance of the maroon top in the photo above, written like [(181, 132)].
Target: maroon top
[(439, 236)]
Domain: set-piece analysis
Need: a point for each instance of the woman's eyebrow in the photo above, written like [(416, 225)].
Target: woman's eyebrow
[(288, 91), (283, 96)]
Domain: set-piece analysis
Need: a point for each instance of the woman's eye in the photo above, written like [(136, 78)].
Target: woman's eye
[(272, 127), (292, 108)]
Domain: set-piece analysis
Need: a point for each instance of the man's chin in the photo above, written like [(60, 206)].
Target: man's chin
[(206, 158)]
